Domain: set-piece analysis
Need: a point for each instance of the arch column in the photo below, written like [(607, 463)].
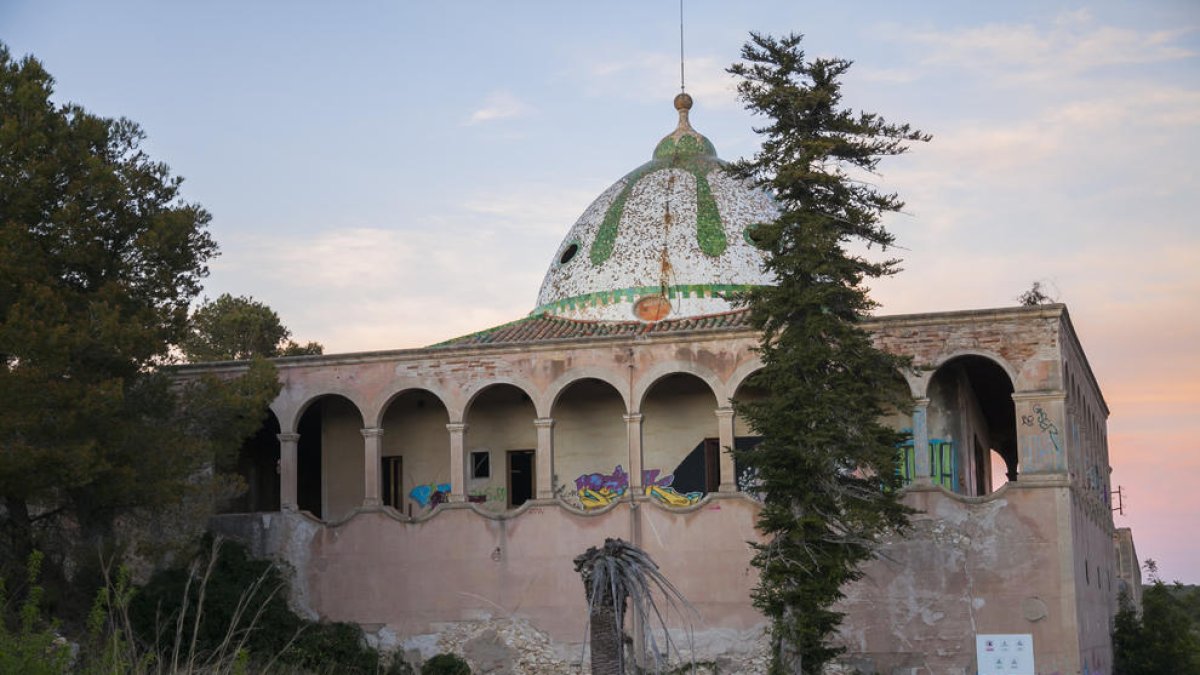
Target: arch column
[(633, 433), (726, 440), (545, 457), (458, 466), (372, 442), (288, 474), (920, 433)]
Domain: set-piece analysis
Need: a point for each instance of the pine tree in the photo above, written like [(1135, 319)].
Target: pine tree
[(826, 465)]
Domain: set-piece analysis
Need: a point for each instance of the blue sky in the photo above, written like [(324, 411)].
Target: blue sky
[(393, 174)]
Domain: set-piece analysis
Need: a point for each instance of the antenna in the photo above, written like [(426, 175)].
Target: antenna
[(681, 87)]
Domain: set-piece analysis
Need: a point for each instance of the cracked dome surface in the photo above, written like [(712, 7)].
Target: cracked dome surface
[(668, 240)]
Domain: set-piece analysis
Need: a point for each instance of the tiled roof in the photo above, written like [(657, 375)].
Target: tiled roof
[(543, 327)]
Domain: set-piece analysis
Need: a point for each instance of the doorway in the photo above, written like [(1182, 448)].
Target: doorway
[(520, 477)]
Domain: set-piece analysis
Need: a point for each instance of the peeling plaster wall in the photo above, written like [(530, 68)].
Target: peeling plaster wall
[(1013, 561), (419, 577), (990, 565)]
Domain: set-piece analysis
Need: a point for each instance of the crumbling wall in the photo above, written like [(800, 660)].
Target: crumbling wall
[(967, 566)]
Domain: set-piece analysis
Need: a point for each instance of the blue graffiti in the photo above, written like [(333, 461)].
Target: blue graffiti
[(430, 494)]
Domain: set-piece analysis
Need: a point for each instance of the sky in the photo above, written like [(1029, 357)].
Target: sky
[(389, 175)]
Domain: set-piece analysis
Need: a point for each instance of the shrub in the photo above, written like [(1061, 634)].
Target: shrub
[(446, 664), (239, 590), (33, 649)]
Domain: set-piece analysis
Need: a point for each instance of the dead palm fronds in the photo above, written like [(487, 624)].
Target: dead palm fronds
[(615, 575)]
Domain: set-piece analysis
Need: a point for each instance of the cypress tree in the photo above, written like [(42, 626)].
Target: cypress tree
[(826, 466)]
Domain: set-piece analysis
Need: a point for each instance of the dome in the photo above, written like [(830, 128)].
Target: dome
[(669, 240)]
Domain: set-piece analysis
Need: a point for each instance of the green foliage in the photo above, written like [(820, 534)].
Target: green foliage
[(34, 648), (100, 259), (230, 328), (236, 586), (446, 664), (1164, 638), (826, 466)]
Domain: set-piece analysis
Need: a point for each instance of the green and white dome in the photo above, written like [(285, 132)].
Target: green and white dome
[(669, 240)]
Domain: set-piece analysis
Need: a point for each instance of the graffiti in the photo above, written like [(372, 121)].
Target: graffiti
[(1047, 425), (596, 490), (1037, 453), (492, 493), (430, 494)]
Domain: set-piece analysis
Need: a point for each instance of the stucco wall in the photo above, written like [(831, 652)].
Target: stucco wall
[(589, 433), (460, 565), (415, 429), (984, 565)]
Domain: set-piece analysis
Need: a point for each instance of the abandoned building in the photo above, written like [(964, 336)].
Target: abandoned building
[(443, 491)]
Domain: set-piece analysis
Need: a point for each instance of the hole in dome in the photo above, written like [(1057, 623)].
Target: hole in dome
[(568, 254)]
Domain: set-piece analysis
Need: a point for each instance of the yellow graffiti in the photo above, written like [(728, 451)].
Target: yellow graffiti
[(668, 496), (594, 499)]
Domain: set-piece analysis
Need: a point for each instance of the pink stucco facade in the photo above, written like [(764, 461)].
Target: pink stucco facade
[(1006, 387)]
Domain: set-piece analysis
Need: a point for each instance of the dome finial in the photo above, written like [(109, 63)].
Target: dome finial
[(683, 103)]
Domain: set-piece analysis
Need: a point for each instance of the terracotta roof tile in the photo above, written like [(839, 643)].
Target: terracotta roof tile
[(545, 327)]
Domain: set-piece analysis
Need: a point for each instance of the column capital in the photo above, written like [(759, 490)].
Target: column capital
[(456, 427), (920, 403), (723, 413), (372, 432), (288, 438), (544, 422), (633, 418)]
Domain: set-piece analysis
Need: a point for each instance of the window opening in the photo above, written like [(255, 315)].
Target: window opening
[(481, 465), (520, 477), (393, 482)]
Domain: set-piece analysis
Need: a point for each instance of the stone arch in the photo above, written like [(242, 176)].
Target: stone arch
[(646, 381), (744, 370), (680, 438), (289, 420), (1003, 363), (971, 414), (617, 378), (431, 388), (591, 442), (329, 456), (500, 433), (415, 465), (468, 395)]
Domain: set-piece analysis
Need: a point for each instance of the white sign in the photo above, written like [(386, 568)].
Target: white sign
[(1008, 654)]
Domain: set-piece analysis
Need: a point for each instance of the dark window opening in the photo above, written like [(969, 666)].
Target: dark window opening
[(520, 477), (393, 482), (481, 465)]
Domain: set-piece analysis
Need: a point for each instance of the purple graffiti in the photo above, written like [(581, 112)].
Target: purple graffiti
[(618, 480)]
